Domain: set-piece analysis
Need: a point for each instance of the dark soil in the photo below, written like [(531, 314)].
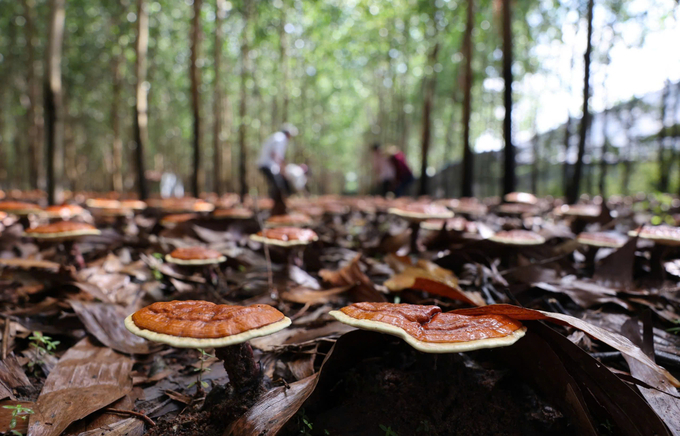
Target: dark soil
[(406, 393)]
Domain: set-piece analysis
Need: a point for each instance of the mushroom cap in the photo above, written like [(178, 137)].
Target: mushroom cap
[(601, 239), (420, 211), (289, 220), (662, 235), (285, 236), (62, 230), (63, 211), (182, 205), (177, 218), (429, 330), (521, 197), (3, 215), (19, 207), (133, 204), (237, 213), (468, 206), (102, 203), (579, 210), (201, 324), (458, 224), (518, 209), (517, 237), (195, 256)]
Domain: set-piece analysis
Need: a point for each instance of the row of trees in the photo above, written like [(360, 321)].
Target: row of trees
[(153, 82)]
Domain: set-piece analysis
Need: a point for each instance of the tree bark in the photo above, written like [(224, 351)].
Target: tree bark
[(430, 86), (195, 74), (509, 151), (243, 107), (664, 163), (602, 185), (117, 145), (535, 164), (54, 123), (33, 112), (468, 156), (627, 163), (574, 188), (221, 10), (284, 65), (141, 120)]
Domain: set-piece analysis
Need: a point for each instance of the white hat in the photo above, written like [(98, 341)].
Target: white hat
[(289, 128)]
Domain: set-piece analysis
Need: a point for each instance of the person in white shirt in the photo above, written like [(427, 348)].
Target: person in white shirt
[(272, 164)]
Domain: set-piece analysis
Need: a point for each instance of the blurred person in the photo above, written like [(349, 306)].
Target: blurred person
[(272, 164), (383, 169), (403, 178), (296, 175)]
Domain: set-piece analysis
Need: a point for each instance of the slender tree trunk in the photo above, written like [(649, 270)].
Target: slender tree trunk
[(627, 163), (574, 190), (535, 164), (195, 74), (468, 156), (54, 123), (664, 163), (141, 120), (602, 185), (428, 102), (283, 47), (117, 146), (509, 152), (567, 146), (243, 107), (33, 110), (221, 7)]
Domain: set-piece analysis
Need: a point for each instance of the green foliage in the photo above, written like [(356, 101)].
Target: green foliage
[(18, 412), (43, 345), (201, 370), (388, 430)]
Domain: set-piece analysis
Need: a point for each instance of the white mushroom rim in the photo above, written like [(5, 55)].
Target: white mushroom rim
[(280, 243), (195, 262), (22, 212), (419, 216), (186, 342), (517, 241), (71, 234), (429, 347), (601, 243)]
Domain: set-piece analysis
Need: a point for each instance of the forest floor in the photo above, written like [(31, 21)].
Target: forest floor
[(592, 362)]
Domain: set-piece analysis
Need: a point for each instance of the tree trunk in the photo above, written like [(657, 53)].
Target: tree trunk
[(117, 146), (284, 64), (195, 74), (221, 10), (429, 85), (468, 156), (141, 121), (509, 151), (243, 108), (602, 185), (33, 112), (535, 164), (627, 163), (574, 188), (54, 123), (664, 163)]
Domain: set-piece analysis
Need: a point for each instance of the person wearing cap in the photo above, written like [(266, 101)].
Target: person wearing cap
[(272, 164), (383, 169), (403, 176)]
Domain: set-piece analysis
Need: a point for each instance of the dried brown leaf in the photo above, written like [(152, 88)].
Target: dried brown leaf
[(86, 379)]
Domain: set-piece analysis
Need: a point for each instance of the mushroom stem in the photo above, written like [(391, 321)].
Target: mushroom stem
[(415, 228), (656, 267), (239, 362)]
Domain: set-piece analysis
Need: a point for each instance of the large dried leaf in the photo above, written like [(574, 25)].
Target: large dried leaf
[(584, 386), (614, 340), (126, 427), (363, 288), (616, 270), (663, 398), (431, 278), (273, 410), (86, 379), (11, 376), (105, 322)]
